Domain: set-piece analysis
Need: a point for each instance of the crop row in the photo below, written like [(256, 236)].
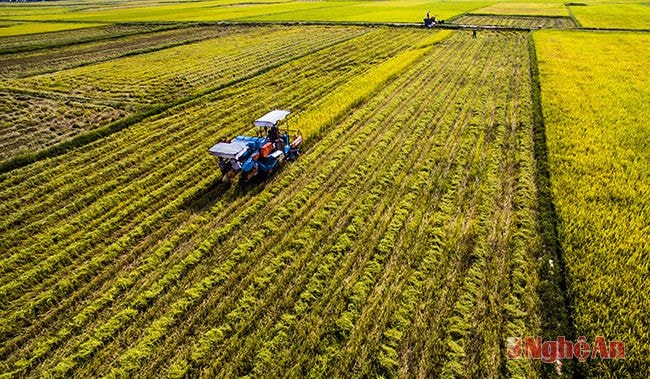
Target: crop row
[(150, 79), (351, 57), (500, 242)]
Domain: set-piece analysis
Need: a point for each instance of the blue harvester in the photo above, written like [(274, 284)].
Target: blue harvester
[(253, 156)]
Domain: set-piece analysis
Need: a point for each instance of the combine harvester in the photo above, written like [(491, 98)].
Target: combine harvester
[(256, 156)]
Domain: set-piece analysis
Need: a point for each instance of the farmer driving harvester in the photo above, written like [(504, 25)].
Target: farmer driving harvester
[(257, 155), (270, 123), (430, 21)]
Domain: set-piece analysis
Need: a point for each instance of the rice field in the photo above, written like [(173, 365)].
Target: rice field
[(612, 16), (222, 10), (197, 276), (457, 188), (32, 123), (149, 79), (599, 162)]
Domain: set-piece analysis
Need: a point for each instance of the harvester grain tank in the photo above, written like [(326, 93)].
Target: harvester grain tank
[(259, 155)]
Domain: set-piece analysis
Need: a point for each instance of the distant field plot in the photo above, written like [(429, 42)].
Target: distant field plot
[(151, 79), (55, 59), (30, 42), (359, 11), (382, 11), (516, 21), (595, 91), (182, 4), (525, 9), (188, 11), (29, 124), (624, 16), (40, 27), (25, 11)]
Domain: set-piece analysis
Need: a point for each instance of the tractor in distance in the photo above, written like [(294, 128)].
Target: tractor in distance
[(260, 155)]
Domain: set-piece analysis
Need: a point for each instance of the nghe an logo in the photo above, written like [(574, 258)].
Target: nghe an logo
[(553, 350)]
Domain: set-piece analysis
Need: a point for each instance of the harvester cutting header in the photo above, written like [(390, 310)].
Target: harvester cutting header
[(261, 155)]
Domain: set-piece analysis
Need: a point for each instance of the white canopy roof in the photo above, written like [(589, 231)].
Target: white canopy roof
[(271, 118), (232, 150)]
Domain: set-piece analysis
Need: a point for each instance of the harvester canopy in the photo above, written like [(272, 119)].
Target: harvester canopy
[(232, 150), (271, 118)]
